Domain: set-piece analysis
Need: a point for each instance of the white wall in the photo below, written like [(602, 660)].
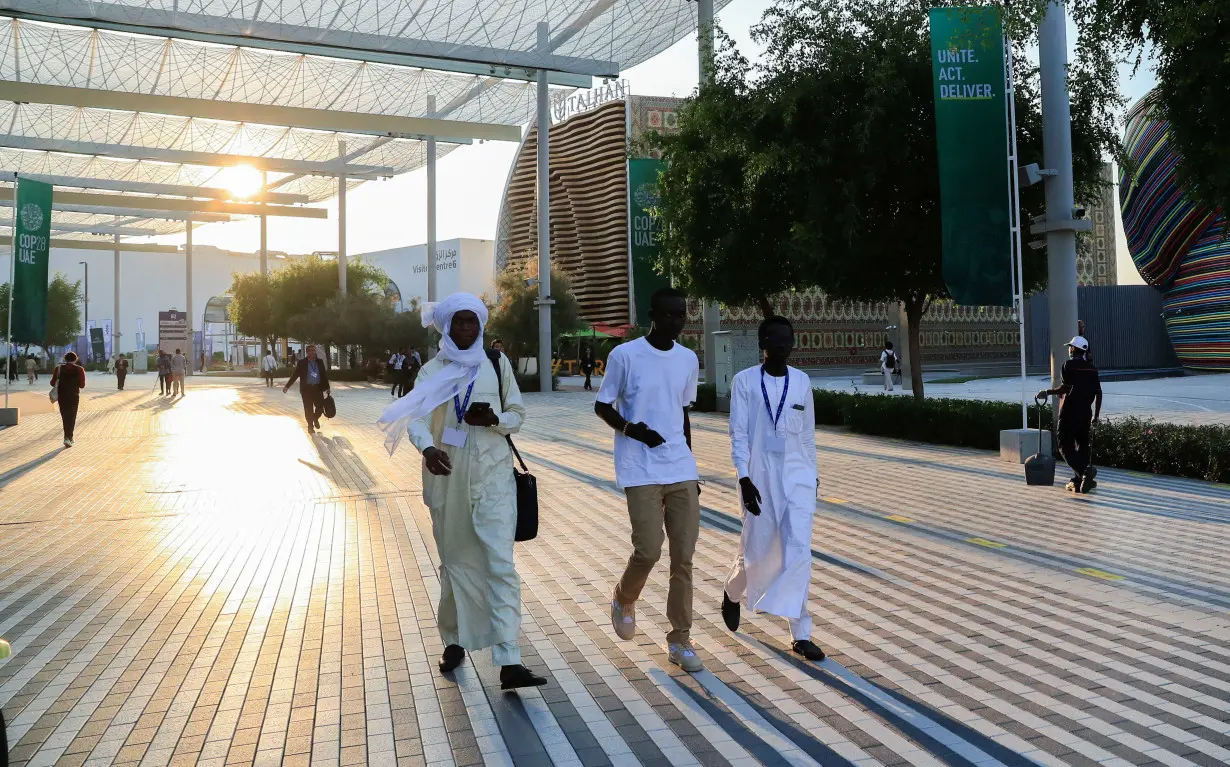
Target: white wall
[(462, 265), (149, 283)]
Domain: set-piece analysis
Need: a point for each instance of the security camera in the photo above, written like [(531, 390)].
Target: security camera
[(531, 282), (1037, 244), (1078, 212)]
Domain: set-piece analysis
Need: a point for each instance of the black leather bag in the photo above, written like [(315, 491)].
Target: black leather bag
[(527, 485), (330, 407)]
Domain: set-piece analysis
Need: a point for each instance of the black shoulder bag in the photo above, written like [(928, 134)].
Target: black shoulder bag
[(527, 486)]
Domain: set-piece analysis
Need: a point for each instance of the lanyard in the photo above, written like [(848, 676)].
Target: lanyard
[(765, 393), (459, 406)]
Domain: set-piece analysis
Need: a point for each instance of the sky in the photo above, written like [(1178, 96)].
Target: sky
[(470, 179)]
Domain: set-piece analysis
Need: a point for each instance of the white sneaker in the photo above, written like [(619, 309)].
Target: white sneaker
[(623, 619), (683, 656), (68, 443)]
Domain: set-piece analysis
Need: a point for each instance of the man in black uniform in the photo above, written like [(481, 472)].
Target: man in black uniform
[(1079, 409)]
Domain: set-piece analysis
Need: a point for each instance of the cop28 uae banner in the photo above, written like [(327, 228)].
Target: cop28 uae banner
[(971, 121), (643, 243), (31, 243)]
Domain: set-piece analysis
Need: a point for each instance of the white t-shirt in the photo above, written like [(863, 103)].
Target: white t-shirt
[(652, 386)]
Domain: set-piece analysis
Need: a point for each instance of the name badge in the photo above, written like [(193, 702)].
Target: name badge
[(454, 437), (774, 443)]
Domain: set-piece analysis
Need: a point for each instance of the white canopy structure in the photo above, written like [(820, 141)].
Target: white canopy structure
[(171, 99)]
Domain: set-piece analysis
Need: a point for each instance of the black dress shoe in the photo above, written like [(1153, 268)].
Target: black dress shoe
[(808, 649), (512, 677), (452, 658), (730, 612)]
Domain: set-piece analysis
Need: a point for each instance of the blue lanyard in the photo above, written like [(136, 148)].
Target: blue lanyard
[(459, 406), (765, 392)]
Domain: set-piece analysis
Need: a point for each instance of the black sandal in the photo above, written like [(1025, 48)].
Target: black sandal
[(512, 677), (452, 658)]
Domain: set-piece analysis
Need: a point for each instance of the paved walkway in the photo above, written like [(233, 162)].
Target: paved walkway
[(199, 582)]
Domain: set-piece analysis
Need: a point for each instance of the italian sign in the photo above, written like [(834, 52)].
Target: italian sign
[(971, 121), (643, 241), (32, 241), (173, 332)]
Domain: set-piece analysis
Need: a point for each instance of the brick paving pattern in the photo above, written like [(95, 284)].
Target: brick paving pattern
[(199, 582)]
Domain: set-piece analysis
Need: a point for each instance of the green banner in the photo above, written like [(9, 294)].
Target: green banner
[(32, 242), (643, 235), (971, 120)]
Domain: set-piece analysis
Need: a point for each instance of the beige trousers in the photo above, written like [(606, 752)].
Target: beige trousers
[(657, 512)]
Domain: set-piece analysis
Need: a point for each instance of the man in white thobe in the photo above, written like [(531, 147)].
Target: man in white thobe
[(458, 416), (773, 446)]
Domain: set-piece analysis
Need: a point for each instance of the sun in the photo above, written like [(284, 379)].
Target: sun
[(242, 181)]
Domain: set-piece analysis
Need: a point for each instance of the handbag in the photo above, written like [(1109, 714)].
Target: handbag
[(527, 485), (54, 394), (330, 407)]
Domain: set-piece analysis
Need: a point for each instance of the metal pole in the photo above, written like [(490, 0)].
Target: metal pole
[(85, 310), (1057, 154), (264, 263), (711, 313), (431, 207), (115, 324), (191, 352), (1018, 256), (8, 332), (341, 240), (544, 218), (341, 218)]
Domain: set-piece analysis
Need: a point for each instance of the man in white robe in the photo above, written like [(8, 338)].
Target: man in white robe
[(773, 446), (457, 418)]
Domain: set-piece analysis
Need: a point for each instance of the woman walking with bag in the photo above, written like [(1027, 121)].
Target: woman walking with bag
[(66, 384)]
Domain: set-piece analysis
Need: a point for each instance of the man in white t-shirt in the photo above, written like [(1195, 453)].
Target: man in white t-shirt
[(396, 362), (647, 388)]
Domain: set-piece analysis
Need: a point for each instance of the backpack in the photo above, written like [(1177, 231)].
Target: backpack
[(890, 359)]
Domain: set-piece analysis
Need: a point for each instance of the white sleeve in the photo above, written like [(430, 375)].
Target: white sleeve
[(740, 447), (514, 407), (809, 412), (689, 392), (613, 380)]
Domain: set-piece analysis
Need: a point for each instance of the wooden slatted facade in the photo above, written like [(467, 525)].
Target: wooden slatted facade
[(589, 210)]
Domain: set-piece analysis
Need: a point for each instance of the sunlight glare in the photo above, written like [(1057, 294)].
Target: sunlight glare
[(242, 181)]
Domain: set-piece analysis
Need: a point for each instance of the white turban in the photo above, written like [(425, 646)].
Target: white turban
[(447, 382)]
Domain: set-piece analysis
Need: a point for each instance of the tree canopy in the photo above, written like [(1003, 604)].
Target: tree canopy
[(63, 312), (514, 319), (819, 168)]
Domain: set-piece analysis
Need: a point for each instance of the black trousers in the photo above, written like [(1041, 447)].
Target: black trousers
[(119, 377), (313, 403), (268, 378), (1073, 437), (68, 414)]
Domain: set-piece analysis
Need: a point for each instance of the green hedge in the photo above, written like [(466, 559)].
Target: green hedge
[(958, 422), (706, 398), (1197, 452)]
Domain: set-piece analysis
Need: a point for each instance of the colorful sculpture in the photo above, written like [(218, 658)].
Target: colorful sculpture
[(1177, 245)]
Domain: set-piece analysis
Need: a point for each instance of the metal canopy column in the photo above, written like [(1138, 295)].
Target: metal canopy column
[(115, 323), (711, 313), (264, 261), (191, 353), (341, 237), (544, 219), (1057, 153), (431, 208)]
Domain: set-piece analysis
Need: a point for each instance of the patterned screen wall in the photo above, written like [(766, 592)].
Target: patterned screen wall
[(1176, 244)]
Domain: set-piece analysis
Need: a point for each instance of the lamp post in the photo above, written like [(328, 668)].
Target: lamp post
[(85, 308)]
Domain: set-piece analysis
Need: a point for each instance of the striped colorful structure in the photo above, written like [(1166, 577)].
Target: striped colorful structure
[(1177, 245)]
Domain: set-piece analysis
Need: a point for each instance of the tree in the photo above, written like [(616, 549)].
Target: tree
[(514, 319), (251, 308), (63, 311), (1189, 40), (842, 126)]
